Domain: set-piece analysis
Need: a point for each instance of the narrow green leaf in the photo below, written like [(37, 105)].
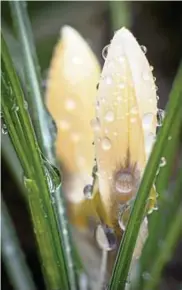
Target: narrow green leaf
[(24, 141), (41, 121), (12, 255), (121, 268)]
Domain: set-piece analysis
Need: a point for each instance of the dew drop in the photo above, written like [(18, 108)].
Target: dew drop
[(147, 121), (149, 141), (144, 49), (77, 60), (151, 68), (109, 117), (25, 104), (95, 124), (134, 111), (15, 108), (88, 191), (160, 117), (133, 120), (108, 80), (105, 238), (4, 129), (169, 138), (163, 162), (64, 125), (106, 143), (124, 182), (121, 59), (146, 276), (105, 51), (75, 137), (70, 104)]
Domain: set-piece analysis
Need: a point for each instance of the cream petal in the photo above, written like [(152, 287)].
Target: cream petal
[(71, 89), (127, 91)]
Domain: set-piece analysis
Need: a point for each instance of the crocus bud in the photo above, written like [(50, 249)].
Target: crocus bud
[(125, 123)]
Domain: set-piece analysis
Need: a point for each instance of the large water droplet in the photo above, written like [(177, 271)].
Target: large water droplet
[(144, 49), (147, 121), (95, 124), (70, 104), (106, 238), (124, 182), (4, 129), (88, 191), (106, 143), (149, 141), (109, 117), (105, 51)]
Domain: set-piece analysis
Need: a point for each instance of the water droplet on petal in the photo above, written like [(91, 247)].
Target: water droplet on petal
[(146, 77), (133, 120), (108, 80), (70, 104), (75, 137), (121, 86), (151, 68), (95, 124), (149, 141), (105, 238), (134, 111), (124, 182), (77, 60), (160, 117), (106, 143), (144, 49), (64, 125), (105, 51), (88, 191), (109, 117), (147, 121)]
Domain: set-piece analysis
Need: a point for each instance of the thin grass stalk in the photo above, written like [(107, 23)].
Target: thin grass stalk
[(119, 14), (23, 138), (40, 117), (123, 260), (12, 255), (170, 236)]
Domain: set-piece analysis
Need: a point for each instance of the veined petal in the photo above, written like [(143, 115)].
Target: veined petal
[(126, 114), (71, 90)]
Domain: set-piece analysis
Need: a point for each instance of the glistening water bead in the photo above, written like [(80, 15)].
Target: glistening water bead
[(124, 182), (88, 191), (106, 238)]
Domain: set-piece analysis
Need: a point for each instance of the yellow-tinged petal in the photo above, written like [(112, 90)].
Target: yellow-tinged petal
[(125, 124), (71, 90)]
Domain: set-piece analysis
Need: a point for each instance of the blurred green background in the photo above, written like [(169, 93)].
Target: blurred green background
[(157, 25)]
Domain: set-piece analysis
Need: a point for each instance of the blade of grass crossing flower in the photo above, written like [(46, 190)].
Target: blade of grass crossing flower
[(40, 117), (12, 255), (123, 260), (26, 146), (159, 240)]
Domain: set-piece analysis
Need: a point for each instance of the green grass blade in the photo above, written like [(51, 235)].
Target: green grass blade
[(38, 177), (41, 122), (12, 255), (121, 268), (162, 238)]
